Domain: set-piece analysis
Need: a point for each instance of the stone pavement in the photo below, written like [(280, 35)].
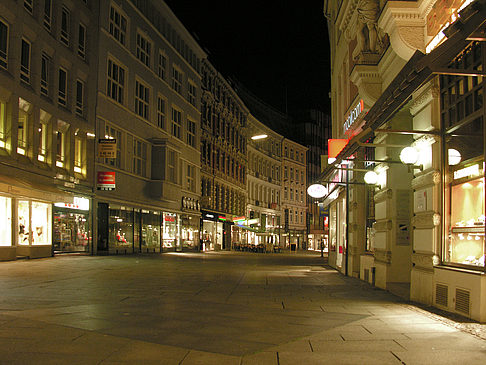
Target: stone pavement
[(217, 308)]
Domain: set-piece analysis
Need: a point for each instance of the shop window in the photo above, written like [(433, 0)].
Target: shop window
[(71, 228), (34, 223), (170, 230), (6, 218), (150, 231), (120, 229)]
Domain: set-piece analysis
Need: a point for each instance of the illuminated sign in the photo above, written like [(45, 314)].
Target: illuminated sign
[(334, 146), (353, 115), (317, 191), (222, 218), (239, 219), (467, 171), (106, 180), (107, 148), (78, 203), (169, 218)]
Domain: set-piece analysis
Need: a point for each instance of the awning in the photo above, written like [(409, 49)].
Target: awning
[(418, 70)]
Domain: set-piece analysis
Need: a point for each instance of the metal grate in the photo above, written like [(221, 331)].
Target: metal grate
[(441, 294), (463, 301)]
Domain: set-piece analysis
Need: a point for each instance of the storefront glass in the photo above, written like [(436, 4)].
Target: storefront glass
[(71, 230), (189, 232), (41, 223), (23, 222), (120, 229), (150, 231), (170, 231), (6, 218)]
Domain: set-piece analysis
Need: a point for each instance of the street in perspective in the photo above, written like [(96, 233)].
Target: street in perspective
[(216, 308)]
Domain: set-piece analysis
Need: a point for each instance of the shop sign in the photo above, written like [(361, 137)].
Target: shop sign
[(78, 203), (222, 218), (106, 180), (353, 115), (169, 218), (107, 148), (239, 219), (467, 171)]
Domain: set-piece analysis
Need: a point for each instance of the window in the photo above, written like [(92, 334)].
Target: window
[(177, 80), (191, 133), (62, 96), (82, 41), (291, 194), (48, 14), (23, 124), (286, 194), (44, 82), (113, 133), (79, 98), (162, 66), (286, 173), (191, 97), (25, 61), (171, 167), (161, 112), (291, 174), (3, 125), (118, 25), (116, 81), (139, 157), (42, 148), (141, 100), (176, 123), (79, 156), (191, 178), (65, 26), (29, 5), (3, 44), (143, 49), (61, 143)]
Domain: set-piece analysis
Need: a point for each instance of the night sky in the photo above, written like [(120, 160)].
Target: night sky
[(278, 49)]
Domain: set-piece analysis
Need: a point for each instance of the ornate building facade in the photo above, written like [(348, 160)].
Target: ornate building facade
[(223, 159), (407, 97)]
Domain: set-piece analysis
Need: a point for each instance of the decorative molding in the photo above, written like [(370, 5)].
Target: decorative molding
[(383, 225), (424, 261), (427, 96), (426, 220), (383, 256), (383, 195), (430, 178)]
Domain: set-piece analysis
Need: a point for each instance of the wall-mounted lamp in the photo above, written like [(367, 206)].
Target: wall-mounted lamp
[(371, 178), (409, 155), (259, 136), (317, 191), (454, 156)]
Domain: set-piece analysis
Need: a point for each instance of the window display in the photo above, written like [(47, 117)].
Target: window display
[(71, 231), (6, 218), (150, 231), (121, 229), (189, 232), (466, 234), (41, 223), (23, 222), (170, 230)]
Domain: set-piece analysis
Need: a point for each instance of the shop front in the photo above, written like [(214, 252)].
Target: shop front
[(216, 232), (72, 228)]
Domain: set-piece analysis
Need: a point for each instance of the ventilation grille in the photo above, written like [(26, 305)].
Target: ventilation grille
[(462, 301), (441, 294), (367, 275)]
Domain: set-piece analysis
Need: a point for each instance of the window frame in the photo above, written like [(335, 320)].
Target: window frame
[(161, 112), (4, 52), (143, 49), (177, 79), (115, 84), (25, 70), (118, 31), (45, 73), (62, 96), (176, 125), (82, 42), (65, 23), (162, 66), (142, 99), (47, 15), (80, 98), (191, 133)]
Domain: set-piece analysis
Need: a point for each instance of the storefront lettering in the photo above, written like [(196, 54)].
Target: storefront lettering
[(467, 171), (353, 115)]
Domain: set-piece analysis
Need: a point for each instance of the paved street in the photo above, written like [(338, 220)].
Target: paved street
[(217, 308)]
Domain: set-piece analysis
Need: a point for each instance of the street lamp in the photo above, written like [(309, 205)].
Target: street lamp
[(259, 136), (371, 178)]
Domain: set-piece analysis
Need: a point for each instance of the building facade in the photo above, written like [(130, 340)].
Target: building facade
[(408, 97), (294, 206), (223, 161), (47, 66), (148, 102), (264, 186)]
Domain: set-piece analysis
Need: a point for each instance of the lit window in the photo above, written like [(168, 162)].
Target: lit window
[(61, 143), (79, 98), (79, 156), (42, 149), (62, 95), (162, 66), (191, 133), (25, 61), (177, 80), (65, 26), (23, 124), (44, 82), (141, 100), (143, 49), (139, 157), (3, 125), (118, 25), (176, 123), (115, 81), (3, 44), (82, 41), (161, 112), (48, 14)]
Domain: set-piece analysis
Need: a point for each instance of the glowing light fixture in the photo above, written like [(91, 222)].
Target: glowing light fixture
[(371, 178), (409, 155), (259, 136), (317, 191), (454, 156)]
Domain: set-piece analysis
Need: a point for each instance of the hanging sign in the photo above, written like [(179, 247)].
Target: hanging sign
[(106, 180), (107, 148)]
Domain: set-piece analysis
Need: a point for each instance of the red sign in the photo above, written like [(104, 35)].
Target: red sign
[(334, 146), (106, 180)]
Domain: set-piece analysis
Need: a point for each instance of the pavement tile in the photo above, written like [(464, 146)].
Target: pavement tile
[(208, 358), (354, 346), (442, 357), (361, 358)]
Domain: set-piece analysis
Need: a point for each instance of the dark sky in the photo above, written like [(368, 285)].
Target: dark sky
[(278, 49)]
